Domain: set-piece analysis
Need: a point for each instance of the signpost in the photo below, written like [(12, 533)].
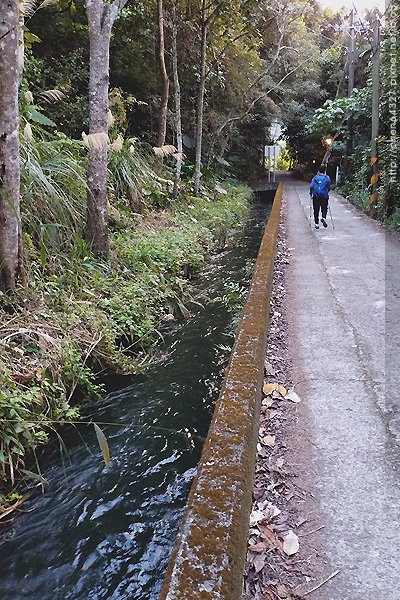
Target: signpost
[(271, 153)]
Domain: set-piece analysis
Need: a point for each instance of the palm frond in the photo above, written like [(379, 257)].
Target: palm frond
[(27, 8), (52, 96), (53, 186), (47, 3)]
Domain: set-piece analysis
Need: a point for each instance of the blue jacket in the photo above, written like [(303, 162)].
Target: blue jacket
[(320, 186)]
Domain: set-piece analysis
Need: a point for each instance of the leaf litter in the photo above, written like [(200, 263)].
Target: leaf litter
[(272, 571)]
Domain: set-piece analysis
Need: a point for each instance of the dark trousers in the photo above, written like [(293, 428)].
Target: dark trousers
[(320, 204)]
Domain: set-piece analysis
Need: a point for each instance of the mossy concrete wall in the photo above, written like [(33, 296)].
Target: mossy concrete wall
[(208, 559)]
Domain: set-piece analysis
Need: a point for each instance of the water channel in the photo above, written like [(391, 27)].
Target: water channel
[(106, 533)]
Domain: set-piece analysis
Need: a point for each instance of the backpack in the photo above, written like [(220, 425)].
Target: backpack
[(321, 186)]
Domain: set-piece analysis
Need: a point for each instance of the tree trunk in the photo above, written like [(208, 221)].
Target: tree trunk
[(10, 223), (101, 17), (200, 102), (178, 114), (162, 125), (99, 37)]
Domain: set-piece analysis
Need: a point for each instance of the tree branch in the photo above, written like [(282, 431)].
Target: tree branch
[(260, 97), (115, 9)]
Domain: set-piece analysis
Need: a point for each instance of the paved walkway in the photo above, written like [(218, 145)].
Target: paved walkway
[(344, 284)]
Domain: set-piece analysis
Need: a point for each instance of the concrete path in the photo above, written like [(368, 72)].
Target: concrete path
[(344, 284)]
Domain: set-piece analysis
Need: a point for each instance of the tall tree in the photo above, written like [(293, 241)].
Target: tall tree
[(101, 18), (162, 125), (200, 100), (177, 92), (9, 145)]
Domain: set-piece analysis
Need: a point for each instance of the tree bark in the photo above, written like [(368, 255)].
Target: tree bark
[(162, 125), (178, 114), (200, 102), (101, 17), (10, 222)]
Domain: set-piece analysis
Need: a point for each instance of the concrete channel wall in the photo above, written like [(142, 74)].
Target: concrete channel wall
[(209, 555)]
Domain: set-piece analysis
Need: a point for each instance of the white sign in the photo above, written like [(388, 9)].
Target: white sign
[(272, 151)]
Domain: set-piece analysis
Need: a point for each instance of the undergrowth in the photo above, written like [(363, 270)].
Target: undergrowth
[(81, 316)]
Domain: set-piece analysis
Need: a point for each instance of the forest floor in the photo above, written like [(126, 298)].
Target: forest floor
[(325, 518)]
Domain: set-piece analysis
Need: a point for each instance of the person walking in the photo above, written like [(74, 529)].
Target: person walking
[(319, 191)]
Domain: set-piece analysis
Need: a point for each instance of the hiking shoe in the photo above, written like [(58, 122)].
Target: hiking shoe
[(316, 226), (324, 223)]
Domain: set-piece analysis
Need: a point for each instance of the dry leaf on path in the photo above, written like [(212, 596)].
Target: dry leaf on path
[(259, 547), (282, 591), (259, 562), (256, 516), (269, 369), (293, 397), (281, 389), (270, 537), (290, 543), (268, 388), (269, 440), (268, 402)]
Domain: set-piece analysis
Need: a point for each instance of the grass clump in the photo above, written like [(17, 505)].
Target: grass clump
[(81, 316)]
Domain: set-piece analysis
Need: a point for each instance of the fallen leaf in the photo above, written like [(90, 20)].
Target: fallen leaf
[(259, 547), (282, 591), (268, 402), (290, 543), (256, 516), (259, 562), (265, 415), (262, 453), (282, 390), (269, 440), (292, 396), (268, 388), (269, 369), (274, 510), (270, 536)]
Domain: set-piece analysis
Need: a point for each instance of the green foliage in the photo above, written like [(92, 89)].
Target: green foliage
[(26, 417), (356, 186), (334, 114), (80, 315), (53, 187)]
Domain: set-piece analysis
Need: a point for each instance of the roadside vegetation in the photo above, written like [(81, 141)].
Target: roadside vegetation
[(338, 122), (81, 315), (127, 126), (124, 130)]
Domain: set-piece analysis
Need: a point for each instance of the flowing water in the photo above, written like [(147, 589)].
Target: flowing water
[(106, 533)]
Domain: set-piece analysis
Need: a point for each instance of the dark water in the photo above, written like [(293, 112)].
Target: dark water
[(106, 533)]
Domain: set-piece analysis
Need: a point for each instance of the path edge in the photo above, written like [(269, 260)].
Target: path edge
[(208, 559)]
